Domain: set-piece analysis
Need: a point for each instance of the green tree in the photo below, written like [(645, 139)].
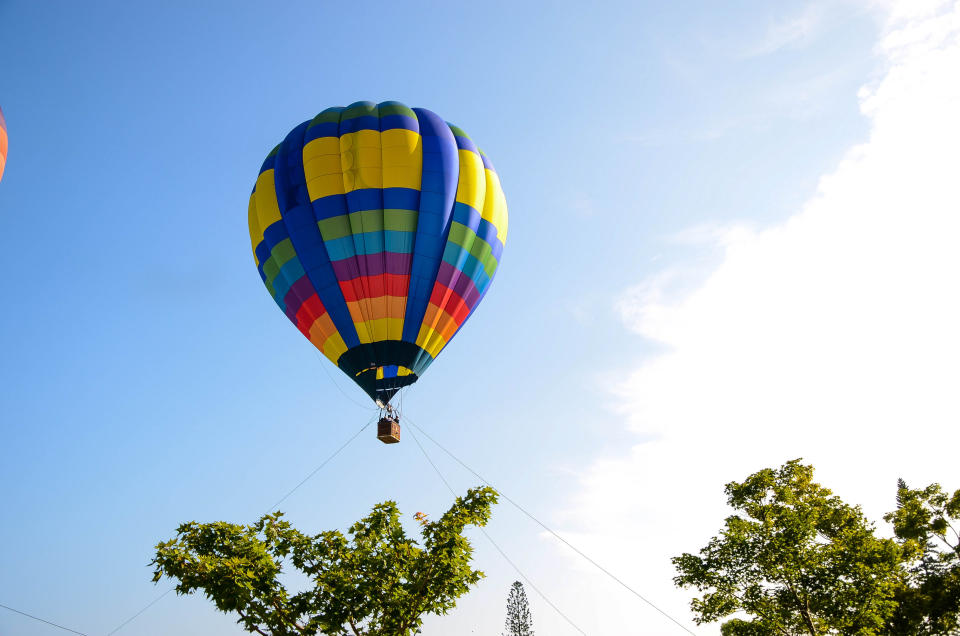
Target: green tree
[(519, 622), (377, 582), (925, 522), (795, 560)]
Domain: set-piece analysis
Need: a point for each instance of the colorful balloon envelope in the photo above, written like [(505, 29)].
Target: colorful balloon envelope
[(3, 143), (377, 229)]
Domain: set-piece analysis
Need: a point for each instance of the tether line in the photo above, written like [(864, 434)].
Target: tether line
[(324, 463), (145, 608), (490, 539), (323, 365), (550, 530), (37, 618), (273, 507)]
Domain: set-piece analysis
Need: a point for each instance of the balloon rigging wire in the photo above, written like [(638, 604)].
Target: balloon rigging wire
[(282, 499), (145, 608), (325, 462), (548, 529), (37, 618), (323, 365), (490, 539)]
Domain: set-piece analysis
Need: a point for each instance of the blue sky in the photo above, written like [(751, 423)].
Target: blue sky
[(646, 151)]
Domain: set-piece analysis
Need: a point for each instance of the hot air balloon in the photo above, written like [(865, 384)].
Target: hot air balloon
[(3, 143), (378, 229)]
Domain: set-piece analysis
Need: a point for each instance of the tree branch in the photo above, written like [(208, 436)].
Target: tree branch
[(255, 628), (804, 606), (805, 612), (416, 611), (353, 626), (947, 543), (763, 615), (955, 533)]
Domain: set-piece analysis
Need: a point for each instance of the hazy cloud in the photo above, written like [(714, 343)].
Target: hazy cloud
[(832, 336), (790, 32)]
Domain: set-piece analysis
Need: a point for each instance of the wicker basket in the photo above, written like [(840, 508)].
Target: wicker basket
[(388, 430)]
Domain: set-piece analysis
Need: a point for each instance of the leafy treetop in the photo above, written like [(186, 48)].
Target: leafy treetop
[(925, 522), (796, 559), (374, 582)]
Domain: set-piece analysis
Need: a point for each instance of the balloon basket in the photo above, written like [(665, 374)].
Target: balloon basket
[(388, 430)]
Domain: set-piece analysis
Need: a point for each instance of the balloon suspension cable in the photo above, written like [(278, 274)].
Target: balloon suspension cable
[(388, 410), (323, 365), (548, 529), (268, 511), (388, 428), (490, 539)]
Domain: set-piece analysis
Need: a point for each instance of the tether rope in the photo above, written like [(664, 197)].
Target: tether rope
[(273, 507), (323, 365), (145, 608), (324, 463), (37, 618), (548, 529), (490, 539)]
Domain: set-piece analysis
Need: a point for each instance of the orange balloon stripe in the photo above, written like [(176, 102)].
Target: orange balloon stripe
[(376, 308), (441, 322)]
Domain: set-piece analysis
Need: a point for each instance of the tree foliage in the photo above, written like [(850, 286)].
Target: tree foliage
[(374, 582), (519, 621), (925, 522), (795, 559)]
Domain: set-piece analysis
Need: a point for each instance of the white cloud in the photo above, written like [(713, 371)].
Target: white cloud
[(834, 336)]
